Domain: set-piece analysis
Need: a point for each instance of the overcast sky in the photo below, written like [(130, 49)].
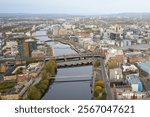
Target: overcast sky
[(74, 6)]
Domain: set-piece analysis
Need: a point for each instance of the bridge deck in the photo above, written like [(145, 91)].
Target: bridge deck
[(73, 56), (74, 63), (82, 80)]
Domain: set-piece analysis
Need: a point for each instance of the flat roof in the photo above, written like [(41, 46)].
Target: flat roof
[(145, 66), (9, 71), (133, 79), (138, 47)]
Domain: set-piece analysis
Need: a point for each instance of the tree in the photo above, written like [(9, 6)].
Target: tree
[(45, 74), (37, 91), (7, 85), (104, 95), (100, 83), (34, 93), (51, 67), (96, 94), (97, 63), (19, 71), (98, 89)]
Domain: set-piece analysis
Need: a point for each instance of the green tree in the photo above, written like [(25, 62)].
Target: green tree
[(96, 94), (97, 63), (7, 85), (45, 74), (34, 93), (19, 71), (37, 91), (51, 67), (104, 95)]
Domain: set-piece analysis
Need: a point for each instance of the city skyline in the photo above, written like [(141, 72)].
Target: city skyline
[(87, 7)]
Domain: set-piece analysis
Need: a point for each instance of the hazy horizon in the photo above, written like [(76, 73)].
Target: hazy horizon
[(80, 7), (76, 13)]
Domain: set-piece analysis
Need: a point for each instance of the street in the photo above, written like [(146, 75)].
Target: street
[(105, 78)]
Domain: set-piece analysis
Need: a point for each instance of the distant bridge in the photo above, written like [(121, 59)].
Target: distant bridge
[(74, 60), (73, 56), (26, 37), (66, 60), (80, 78)]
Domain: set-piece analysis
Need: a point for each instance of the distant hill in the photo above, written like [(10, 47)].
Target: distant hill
[(143, 15), (12, 14), (34, 15)]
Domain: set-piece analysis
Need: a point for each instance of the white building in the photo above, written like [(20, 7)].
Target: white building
[(130, 69), (115, 74), (122, 94), (10, 48), (112, 53)]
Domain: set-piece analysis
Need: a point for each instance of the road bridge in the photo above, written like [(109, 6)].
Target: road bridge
[(73, 56), (74, 63), (79, 78)]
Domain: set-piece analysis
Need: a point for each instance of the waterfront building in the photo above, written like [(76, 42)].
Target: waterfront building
[(38, 54)]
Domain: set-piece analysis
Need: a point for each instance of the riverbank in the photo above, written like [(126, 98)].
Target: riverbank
[(98, 87), (67, 90), (72, 89), (37, 91), (67, 43)]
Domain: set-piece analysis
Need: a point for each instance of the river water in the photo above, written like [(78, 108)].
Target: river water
[(80, 90)]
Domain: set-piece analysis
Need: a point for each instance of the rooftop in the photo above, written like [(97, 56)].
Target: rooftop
[(129, 67), (133, 79), (145, 66), (138, 47), (10, 70), (29, 40)]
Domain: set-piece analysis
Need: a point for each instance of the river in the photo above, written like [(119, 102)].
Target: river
[(80, 90)]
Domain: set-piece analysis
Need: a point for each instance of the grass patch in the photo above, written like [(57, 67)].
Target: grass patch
[(7, 85)]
